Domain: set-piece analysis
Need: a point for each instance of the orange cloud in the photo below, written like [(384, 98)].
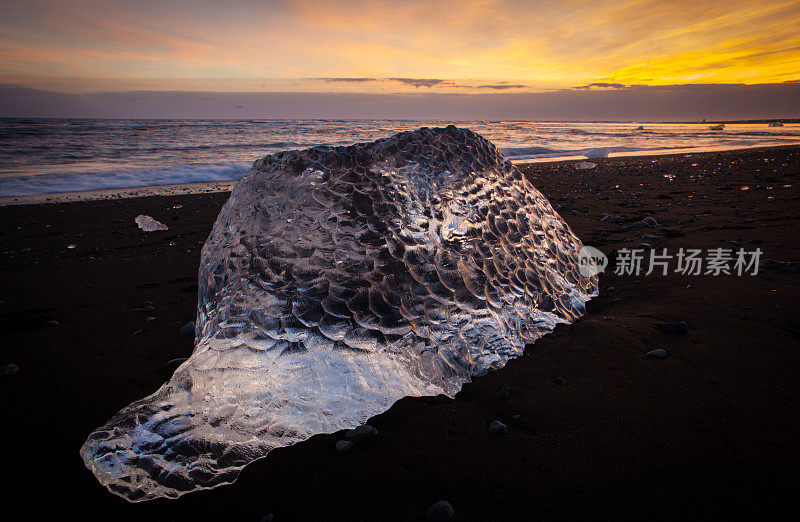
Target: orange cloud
[(479, 45)]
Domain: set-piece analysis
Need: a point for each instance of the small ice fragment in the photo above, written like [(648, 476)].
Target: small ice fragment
[(148, 224), (585, 165)]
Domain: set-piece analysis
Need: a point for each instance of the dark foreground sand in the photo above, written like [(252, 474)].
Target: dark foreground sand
[(712, 430)]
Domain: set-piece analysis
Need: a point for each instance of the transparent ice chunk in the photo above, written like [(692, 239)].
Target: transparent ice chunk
[(336, 281), (148, 224)]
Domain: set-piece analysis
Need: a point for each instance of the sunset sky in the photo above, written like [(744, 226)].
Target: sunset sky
[(395, 47)]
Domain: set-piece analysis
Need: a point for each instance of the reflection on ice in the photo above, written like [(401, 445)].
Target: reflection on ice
[(336, 281)]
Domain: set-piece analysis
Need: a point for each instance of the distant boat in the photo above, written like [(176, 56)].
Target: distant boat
[(721, 126), (775, 124)]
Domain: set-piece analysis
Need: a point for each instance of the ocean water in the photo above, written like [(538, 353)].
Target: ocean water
[(42, 156)]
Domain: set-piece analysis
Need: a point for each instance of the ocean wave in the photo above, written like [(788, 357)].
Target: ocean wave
[(124, 178)]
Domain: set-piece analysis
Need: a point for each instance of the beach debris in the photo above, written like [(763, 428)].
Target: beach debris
[(585, 165), (678, 327), (292, 342), (505, 393), (148, 224), (343, 446), (8, 370), (659, 353), (498, 428), (365, 431), (442, 511), (187, 329), (173, 364)]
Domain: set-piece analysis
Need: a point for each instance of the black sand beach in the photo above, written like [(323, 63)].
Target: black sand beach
[(603, 430)]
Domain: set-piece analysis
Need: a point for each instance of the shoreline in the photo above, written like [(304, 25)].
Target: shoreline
[(596, 428), (209, 187)]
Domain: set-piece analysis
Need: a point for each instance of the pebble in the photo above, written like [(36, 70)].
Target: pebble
[(146, 309), (610, 289), (442, 511), (187, 329), (173, 364), (679, 327), (9, 369), (365, 431), (53, 322), (497, 427), (657, 354), (343, 446), (505, 393)]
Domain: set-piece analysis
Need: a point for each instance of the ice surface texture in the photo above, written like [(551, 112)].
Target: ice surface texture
[(336, 281)]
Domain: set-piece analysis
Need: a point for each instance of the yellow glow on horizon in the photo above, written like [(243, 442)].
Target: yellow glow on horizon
[(472, 46)]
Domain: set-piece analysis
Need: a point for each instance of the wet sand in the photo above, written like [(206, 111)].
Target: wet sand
[(603, 430)]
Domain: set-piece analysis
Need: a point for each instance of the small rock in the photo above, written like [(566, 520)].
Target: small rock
[(505, 393), (610, 289), (516, 417), (9, 369), (365, 431), (679, 327), (343, 446), (150, 318), (559, 380), (173, 364), (442, 511), (173, 300), (53, 322), (650, 221), (644, 246), (187, 329), (497, 427), (657, 354), (146, 309), (138, 332)]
